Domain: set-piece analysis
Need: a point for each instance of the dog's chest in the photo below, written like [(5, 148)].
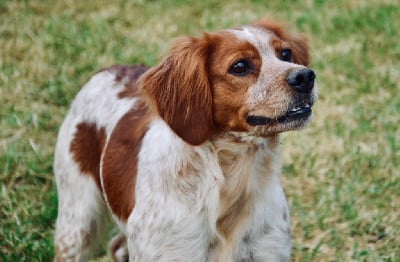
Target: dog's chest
[(246, 167)]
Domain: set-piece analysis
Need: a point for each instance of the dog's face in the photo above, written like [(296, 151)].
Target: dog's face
[(252, 79)]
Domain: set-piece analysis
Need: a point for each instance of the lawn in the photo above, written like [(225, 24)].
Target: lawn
[(341, 175)]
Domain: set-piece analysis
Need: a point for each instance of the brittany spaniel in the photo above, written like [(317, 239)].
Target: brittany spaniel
[(185, 155)]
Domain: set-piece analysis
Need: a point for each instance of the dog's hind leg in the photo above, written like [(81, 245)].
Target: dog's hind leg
[(82, 213)]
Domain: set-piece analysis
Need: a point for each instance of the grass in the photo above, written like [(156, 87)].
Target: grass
[(341, 175)]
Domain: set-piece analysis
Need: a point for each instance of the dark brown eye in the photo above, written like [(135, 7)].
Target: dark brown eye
[(286, 55), (241, 68)]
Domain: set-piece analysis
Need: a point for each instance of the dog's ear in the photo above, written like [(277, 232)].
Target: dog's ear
[(298, 42), (179, 89)]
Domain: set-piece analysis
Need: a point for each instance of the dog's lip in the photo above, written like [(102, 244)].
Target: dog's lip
[(297, 112)]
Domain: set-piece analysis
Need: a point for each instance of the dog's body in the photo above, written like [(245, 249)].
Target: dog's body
[(185, 154)]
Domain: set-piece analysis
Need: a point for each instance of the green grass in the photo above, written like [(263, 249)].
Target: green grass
[(341, 175)]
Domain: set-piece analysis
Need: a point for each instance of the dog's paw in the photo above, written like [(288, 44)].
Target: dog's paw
[(118, 248)]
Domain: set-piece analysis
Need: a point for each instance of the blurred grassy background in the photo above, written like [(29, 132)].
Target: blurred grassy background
[(341, 175)]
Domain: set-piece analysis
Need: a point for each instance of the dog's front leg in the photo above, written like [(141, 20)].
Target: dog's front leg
[(159, 232)]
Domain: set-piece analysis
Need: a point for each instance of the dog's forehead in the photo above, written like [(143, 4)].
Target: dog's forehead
[(260, 38)]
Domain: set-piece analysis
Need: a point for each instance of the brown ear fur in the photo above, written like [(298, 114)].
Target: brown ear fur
[(179, 89), (297, 42)]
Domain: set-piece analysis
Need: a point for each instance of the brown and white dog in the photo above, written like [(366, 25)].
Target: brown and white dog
[(185, 154)]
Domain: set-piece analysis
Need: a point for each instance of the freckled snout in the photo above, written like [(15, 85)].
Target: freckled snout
[(301, 80)]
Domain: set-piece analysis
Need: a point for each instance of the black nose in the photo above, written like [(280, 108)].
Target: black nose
[(301, 80)]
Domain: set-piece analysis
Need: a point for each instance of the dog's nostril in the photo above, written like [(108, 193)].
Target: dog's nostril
[(301, 80)]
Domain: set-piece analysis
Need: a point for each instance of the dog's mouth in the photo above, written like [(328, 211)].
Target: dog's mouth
[(297, 113)]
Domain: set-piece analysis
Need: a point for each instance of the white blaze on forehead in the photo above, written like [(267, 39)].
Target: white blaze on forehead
[(258, 37), (271, 65)]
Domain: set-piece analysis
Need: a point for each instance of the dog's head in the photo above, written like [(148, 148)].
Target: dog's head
[(251, 79)]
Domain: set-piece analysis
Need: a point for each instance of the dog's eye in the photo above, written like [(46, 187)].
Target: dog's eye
[(241, 68), (286, 55)]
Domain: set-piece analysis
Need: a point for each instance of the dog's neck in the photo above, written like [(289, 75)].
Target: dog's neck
[(248, 163)]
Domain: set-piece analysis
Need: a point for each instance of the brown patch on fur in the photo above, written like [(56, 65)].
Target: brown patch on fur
[(119, 164), (297, 42), (131, 74), (193, 91), (86, 148), (230, 91), (279, 45), (179, 90)]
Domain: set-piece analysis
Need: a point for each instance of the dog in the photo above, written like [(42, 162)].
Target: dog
[(185, 155)]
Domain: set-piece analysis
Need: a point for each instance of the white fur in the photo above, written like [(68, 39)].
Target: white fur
[(185, 231), (173, 219), (175, 215), (271, 65)]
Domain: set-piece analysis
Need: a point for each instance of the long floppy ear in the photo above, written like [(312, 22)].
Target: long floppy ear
[(297, 42), (179, 89)]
